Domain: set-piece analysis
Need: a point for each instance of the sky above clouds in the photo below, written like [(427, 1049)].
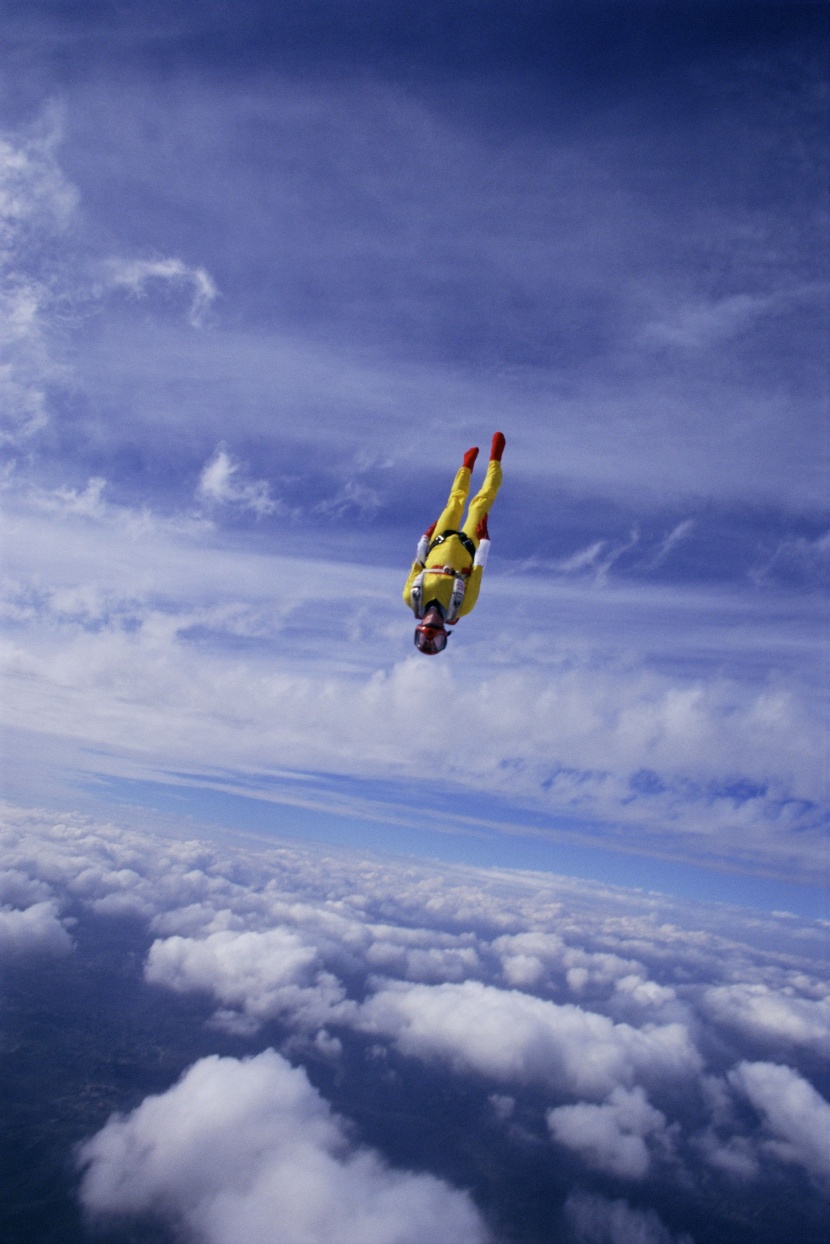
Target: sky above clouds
[(266, 271)]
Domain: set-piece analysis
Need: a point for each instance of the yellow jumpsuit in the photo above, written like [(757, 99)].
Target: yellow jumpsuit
[(451, 553)]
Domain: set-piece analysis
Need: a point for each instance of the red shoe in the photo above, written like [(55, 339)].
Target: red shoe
[(497, 448), (470, 458)]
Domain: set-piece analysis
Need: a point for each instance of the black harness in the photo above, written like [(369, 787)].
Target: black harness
[(445, 535)]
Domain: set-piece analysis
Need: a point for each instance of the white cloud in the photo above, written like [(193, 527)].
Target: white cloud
[(596, 1220), (222, 482), (514, 1038), (36, 207), (703, 324), (676, 536), (134, 683), (797, 560), (536, 958), (136, 274), (247, 1152), (794, 1114), (773, 1016), (422, 954), (40, 296), (257, 975), (35, 929), (611, 1137), (32, 187), (597, 558), (272, 929)]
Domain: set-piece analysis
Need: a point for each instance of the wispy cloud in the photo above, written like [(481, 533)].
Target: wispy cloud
[(37, 205), (798, 561), (669, 542), (703, 324), (136, 275), (173, 648), (222, 482), (597, 559), (40, 297)]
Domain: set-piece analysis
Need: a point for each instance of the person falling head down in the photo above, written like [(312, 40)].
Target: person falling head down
[(445, 578)]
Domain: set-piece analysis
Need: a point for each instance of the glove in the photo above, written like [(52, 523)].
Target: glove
[(481, 530), (429, 530)]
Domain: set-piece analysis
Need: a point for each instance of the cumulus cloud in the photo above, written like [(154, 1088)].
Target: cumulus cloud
[(35, 929), (222, 482), (611, 1137), (247, 1152), (775, 1017), (422, 954), (255, 976), (795, 1116), (470, 973), (515, 1038), (596, 1220)]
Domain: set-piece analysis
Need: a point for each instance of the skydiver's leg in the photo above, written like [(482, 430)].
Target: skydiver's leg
[(451, 514), (482, 501)]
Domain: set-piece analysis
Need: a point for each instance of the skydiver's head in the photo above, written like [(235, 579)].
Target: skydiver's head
[(430, 633)]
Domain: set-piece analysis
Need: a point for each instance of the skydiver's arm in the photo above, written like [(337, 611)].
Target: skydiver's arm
[(474, 581), (423, 544), (417, 567), (418, 564)]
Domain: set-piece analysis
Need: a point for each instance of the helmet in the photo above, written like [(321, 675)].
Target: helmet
[(430, 635)]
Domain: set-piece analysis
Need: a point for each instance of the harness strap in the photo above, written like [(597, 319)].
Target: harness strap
[(459, 587), (465, 540), (448, 570)]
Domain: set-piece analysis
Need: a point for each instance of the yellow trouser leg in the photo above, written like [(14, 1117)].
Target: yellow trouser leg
[(451, 514), (481, 502)]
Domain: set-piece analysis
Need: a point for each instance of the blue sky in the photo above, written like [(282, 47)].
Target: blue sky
[(268, 270)]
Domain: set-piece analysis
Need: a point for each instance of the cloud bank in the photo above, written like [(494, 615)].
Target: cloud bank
[(661, 1054)]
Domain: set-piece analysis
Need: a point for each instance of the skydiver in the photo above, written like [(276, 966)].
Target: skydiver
[(445, 578)]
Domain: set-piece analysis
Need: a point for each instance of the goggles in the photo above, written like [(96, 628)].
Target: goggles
[(430, 639)]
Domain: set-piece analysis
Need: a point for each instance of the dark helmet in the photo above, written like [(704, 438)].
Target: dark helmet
[(430, 635)]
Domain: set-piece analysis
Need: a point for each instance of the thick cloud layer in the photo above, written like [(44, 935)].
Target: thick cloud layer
[(644, 1044)]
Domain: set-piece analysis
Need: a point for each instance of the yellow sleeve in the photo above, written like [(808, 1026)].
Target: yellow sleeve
[(472, 590), (417, 567)]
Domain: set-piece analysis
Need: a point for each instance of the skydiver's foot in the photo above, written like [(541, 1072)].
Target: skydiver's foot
[(470, 458), (497, 448)]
